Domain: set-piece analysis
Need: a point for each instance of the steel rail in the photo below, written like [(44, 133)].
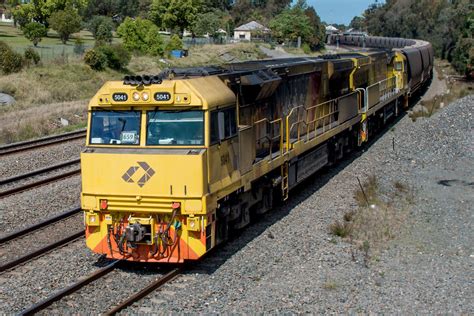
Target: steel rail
[(69, 290), (41, 142), (39, 171), (39, 183), (141, 294), (41, 251), (39, 225)]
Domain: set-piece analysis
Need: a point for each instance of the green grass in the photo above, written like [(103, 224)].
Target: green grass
[(50, 47)]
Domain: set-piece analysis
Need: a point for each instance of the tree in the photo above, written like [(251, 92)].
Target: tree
[(142, 36), (41, 10), (292, 23), (65, 22), (101, 28), (357, 23), (316, 40), (175, 14), (262, 11), (208, 23), (34, 32)]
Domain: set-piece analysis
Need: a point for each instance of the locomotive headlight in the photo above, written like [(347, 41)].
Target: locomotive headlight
[(136, 96), (145, 96)]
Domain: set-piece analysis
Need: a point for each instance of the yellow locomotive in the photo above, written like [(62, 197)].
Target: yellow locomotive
[(175, 163)]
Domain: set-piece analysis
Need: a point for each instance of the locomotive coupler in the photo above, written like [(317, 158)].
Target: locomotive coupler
[(135, 232)]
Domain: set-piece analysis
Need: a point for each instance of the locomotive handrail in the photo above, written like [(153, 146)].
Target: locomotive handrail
[(289, 128), (272, 137), (387, 87)]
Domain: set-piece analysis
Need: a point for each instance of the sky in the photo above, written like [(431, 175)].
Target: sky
[(339, 11)]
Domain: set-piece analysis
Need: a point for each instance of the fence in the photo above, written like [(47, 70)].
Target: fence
[(55, 52)]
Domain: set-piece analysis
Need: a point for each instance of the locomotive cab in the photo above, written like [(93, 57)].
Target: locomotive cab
[(145, 169)]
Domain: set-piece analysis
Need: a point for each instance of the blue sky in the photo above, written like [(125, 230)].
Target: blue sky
[(339, 11)]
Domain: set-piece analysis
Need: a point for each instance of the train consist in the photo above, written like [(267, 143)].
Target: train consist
[(176, 162)]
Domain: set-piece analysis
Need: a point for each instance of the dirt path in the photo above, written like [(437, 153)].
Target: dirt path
[(437, 87)]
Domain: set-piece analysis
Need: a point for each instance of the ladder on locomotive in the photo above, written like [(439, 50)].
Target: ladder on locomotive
[(284, 181)]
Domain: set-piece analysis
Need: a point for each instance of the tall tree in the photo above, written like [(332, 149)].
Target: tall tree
[(316, 40), (175, 14), (65, 22), (292, 23)]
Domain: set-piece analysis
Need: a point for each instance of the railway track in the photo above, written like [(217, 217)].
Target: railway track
[(12, 189), (41, 142), (34, 229), (42, 305)]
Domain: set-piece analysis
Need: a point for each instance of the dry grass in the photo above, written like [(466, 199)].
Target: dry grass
[(374, 224), (56, 81), (456, 90), (42, 120), (56, 89)]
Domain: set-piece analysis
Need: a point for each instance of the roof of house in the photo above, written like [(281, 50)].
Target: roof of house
[(331, 28), (252, 26)]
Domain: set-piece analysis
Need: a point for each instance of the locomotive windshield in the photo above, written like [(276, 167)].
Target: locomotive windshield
[(115, 127), (182, 128)]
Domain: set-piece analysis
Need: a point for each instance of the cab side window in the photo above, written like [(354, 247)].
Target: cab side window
[(223, 124)]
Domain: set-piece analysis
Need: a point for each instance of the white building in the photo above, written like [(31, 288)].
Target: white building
[(250, 30)]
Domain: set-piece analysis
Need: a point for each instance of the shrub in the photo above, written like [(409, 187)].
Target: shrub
[(10, 61), (117, 56), (174, 43), (104, 34), (96, 59), (31, 56), (142, 36), (341, 229), (34, 32), (306, 49), (65, 22), (113, 56)]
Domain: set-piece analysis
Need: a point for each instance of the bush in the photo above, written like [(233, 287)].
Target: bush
[(10, 61), (34, 32), (142, 36), (31, 56), (104, 34), (96, 59), (117, 56), (65, 22), (113, 56), (306, 49), (174, 43)]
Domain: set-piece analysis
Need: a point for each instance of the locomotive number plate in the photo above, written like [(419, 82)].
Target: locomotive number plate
[(129, 137), (120, 97), (162, 96)]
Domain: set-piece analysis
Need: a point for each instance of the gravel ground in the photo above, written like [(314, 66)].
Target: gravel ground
[(30, 180), (289, 262), (103, 294), (40, 238), (23, 162), (39, 278), (29, 207)]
